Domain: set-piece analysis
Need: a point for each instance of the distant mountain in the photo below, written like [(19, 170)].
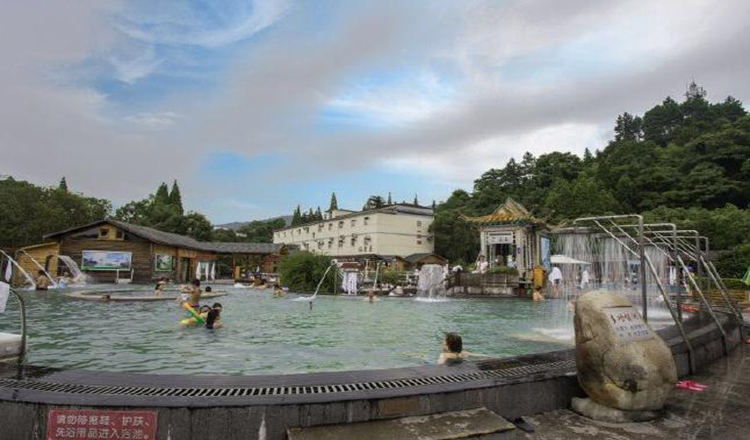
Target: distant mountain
[(234, 226)]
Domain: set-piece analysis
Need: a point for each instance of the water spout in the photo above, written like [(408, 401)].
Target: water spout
[(21, 269), (54, 283), (431, 284)]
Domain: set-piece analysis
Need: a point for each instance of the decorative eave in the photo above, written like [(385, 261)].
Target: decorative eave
[(509, 213)]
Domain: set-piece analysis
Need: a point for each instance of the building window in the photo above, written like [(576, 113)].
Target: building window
[(119, 234), (366, 220), (307, 229), (313, 235), (330, 226), (103, 232), (354, 240), (354, 222), (419, 241), (419, 223), (341, 224)]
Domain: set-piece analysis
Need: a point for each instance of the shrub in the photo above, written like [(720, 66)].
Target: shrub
[(503, 270), (392, 276), (302, 271)]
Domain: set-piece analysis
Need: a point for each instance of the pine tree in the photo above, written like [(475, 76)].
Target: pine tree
[(587, 156), (434, 205), (63, 185), (390, 202), (416, 202), (318, 214), (175, 198), (162, 195), (334, 202), (297, 216)]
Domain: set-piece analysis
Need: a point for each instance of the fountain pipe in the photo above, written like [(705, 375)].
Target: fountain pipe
[(320, 283), (54, 283), (18, 266)]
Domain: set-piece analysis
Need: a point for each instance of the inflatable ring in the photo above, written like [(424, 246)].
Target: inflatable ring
[(198, 318)]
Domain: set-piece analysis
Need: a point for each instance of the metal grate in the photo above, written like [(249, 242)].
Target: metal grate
[(506, 370)]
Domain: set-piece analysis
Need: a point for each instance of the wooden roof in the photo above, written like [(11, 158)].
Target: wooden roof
[(177, 240), (509, 213)]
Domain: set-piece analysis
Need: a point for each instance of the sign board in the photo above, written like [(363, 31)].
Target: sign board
[(64, 424), (500, 238), (628, 324), (106, 260)]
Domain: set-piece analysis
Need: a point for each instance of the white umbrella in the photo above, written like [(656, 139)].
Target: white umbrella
[(564, 259)]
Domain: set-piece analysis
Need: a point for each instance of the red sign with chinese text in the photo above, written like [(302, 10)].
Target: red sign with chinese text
[(64, 424)]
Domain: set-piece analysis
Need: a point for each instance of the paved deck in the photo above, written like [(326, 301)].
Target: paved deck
[(720, 412)]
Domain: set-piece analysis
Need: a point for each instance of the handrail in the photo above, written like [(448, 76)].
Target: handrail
[(22, 355)]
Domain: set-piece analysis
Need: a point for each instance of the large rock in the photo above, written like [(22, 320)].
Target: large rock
[(621, 362)]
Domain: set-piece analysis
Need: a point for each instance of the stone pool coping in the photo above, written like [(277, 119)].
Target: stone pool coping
[(33, 384), (98, 295)]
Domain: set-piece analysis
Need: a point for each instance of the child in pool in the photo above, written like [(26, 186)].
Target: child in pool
[(159, 288), (213, 318), (277, 290)]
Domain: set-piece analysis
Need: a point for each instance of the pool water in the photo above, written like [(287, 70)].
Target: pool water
[(267, 335)]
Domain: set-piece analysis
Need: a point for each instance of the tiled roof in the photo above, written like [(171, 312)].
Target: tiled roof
[(177, 240), (510, 212)]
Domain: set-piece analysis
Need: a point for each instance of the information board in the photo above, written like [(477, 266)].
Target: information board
[(628, 324), (101, 424)]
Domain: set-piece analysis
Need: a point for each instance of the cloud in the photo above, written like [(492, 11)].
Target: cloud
[(336, 91)]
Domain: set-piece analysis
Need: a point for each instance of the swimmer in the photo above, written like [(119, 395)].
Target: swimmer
[(453, 351), (209, 289), (159, 288), (371, 297), (537, 295), (277, 290), (213, 318), (42, 282)]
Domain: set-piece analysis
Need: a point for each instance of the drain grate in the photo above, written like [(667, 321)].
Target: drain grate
[(507, 370)]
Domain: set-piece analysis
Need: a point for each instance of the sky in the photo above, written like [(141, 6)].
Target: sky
[(258, 106)]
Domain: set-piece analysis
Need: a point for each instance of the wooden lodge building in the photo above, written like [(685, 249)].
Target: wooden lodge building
[(110, 251)]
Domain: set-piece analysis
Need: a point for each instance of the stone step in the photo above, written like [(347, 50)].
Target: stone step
[(479, 423)]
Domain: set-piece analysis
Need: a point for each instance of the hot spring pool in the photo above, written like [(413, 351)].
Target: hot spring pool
[(267, 335)]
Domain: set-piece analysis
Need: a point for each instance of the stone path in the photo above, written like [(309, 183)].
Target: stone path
[(720, 412)]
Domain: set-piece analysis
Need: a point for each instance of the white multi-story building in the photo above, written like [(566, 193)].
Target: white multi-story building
[(396, 230)]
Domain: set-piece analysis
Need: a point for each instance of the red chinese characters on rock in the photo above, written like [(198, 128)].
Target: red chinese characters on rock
[(99, 424)]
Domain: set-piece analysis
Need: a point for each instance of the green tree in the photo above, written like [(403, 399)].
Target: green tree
[(261, 231), (63, 186), (302, 271), (334, 203), (297, 216), (374, 202), (390, 201), (175, 198), (455, 238)]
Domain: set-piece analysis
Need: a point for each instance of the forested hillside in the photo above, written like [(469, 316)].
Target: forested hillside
[(686, 162)]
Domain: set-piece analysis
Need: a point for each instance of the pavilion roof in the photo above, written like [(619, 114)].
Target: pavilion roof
[(509, 213)]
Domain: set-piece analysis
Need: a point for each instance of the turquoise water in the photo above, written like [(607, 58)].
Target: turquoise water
[(265, 335)]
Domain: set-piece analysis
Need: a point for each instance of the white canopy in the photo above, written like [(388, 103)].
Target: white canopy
[(564, 259)]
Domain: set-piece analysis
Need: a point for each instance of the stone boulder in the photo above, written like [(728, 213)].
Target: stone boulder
[(622, 363)]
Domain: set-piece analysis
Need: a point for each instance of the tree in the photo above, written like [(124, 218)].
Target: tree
[(416, 201), (302, 271), (261, 231), (318, 214), (162, 195), (196, 225), (297, 216), (455, 238), (373, 202), (628, 128), (334, 203), (390, 201), (581, 197), (175, 198), (63, 186)]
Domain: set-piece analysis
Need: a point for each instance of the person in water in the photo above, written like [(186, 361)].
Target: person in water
[(277, 290), (213, 318), (160, 285), (193, 292), (208, 289), (537, 295), (42, 282), (453, 350)]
